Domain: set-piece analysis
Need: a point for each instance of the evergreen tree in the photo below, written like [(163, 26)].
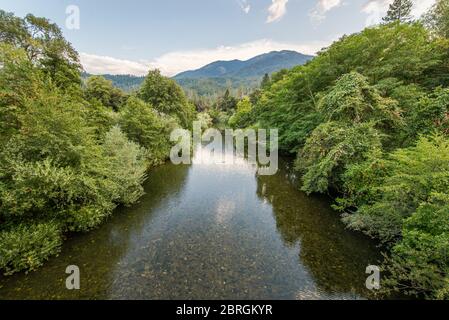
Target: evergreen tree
[(265, 81), (400, 10)]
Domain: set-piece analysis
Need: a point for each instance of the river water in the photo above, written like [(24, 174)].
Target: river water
[(211, 231)]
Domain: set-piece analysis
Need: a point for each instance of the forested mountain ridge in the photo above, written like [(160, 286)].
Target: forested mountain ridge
[(238, 76), (254, 67)]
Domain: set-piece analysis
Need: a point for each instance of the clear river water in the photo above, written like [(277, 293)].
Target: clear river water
[(211, 232)]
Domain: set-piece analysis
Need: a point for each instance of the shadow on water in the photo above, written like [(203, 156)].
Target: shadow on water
[(211, 231), (336, 258)]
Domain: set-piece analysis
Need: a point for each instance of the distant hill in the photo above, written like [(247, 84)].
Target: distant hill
[(254, 67), (218, 76)]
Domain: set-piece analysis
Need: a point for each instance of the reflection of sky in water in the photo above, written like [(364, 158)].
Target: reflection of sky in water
[(211, 231), (225, 159)]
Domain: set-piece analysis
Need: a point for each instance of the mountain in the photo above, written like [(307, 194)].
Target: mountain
[(254, 67), (218, 76)]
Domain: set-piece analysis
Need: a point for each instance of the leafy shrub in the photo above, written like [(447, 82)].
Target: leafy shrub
[(411, 177), (150, 129), (419, 263), (242, 118), (126, 166), (26, 247), (205, 120), (431, 114), (330, 149)]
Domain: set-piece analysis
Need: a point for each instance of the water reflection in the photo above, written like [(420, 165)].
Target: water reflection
[(211, 232), (336, 258)]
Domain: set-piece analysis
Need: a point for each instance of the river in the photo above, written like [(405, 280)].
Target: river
[(211, 232)]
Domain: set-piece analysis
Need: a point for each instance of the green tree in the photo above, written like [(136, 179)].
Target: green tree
[(150, 129), (409, 178), (332, 147), (166, 96), (399, 10), (242, 117), (44, 45), (227, 102), (265, 81), (419, 263), (97, 87), (438, 18)]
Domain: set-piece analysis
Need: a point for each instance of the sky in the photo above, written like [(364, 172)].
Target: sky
[(133, 36)]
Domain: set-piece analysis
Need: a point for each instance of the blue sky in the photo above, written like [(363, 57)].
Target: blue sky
[(117, 36)]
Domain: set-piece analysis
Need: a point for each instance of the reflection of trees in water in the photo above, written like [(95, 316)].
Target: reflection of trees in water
[(335, 257), (97, 253)]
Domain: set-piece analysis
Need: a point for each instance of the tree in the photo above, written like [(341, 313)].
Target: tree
[(438, 18), (44, 45), (150, 129), (399, 10), (97, 87), (242, 117), (227, 102), (265, 81), (166, 96)]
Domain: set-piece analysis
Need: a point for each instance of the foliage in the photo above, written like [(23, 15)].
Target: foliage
[(410, 178), (126, 166), (227, 102), (125, 82), (147, 127), (102, 90), (166, 96), (205, 120), (220, 119), (265, 81), (368, 121), (44, 45), (399, 10), (330, 149), (65, 163), (405, 54), (419, 263), (26, 247), (437, 19), (430, 114), (243, 116)]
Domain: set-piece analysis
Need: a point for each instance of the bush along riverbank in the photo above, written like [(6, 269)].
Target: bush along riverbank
[(71, 151), (368, 118)]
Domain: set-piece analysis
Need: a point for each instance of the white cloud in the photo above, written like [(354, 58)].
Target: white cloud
[(277, 10), (174, 62), (244, 5), (376, 9), (318, 14), (108, 65)]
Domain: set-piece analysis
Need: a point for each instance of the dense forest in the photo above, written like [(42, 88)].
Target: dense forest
[(367, 121)]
